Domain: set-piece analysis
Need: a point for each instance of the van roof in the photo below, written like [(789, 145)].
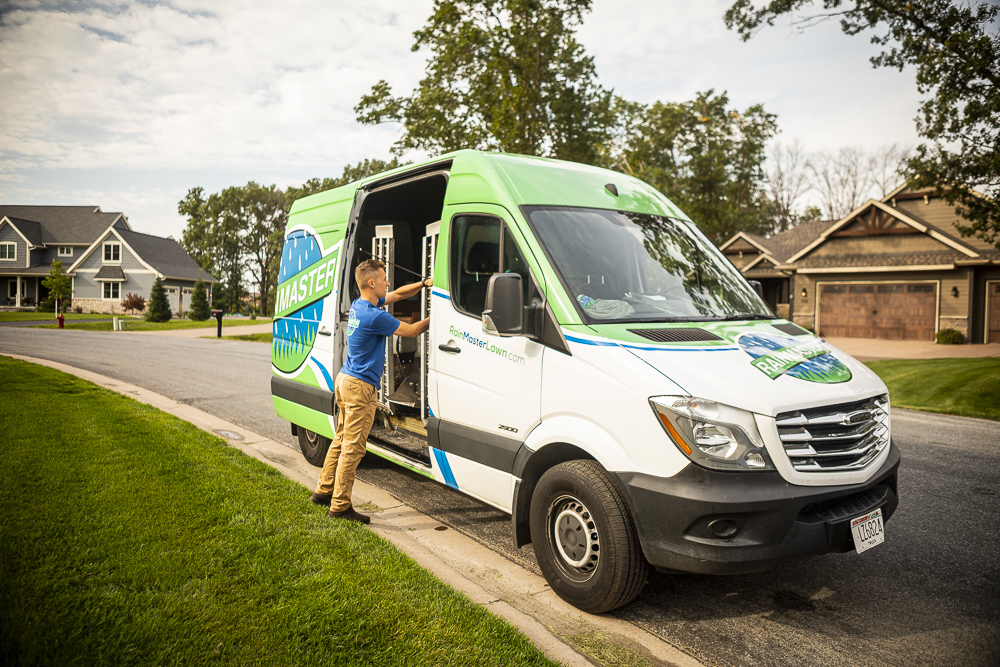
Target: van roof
[(517, 180)]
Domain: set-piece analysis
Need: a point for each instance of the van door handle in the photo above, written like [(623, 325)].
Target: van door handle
[(324, 332), (449, 348)]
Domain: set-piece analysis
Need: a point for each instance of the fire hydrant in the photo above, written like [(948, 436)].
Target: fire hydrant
[(60, 319)]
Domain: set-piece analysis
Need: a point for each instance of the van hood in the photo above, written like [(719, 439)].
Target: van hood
[(750, 365)]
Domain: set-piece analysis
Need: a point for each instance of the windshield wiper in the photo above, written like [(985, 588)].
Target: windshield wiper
[(744, 316)]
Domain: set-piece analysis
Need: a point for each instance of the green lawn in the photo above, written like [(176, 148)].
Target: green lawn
[(31, 317), (967, 387), (139, 324), (256, 338), (129, 537)]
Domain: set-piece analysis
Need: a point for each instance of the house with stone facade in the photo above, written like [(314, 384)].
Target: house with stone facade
[(895, 268), (105, 258)]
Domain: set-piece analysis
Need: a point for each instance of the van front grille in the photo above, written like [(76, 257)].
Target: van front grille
[(833, 438)]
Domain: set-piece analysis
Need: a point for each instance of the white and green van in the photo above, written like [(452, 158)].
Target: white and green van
[(594, 366)]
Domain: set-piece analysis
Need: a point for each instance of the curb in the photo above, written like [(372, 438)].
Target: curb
[(487, 578)]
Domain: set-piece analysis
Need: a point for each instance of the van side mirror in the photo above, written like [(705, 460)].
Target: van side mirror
[(757, 287), (504, 314)]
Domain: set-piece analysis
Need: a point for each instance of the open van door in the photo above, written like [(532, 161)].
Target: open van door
[(488, 388)]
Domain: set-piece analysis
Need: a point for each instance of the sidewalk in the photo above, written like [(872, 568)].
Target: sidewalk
[(874, 349), (481, 574)]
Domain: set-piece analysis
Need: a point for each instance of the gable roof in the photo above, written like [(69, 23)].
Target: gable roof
[(30, 231), (165, 255), (924, 227), (778, 248), (64, 224)]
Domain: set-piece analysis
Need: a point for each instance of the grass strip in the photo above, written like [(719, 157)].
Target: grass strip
[(32, 317), (256, 338), (966, 387), (139, 324), (130, 537)]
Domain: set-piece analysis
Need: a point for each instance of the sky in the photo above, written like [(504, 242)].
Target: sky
[(127, 105)]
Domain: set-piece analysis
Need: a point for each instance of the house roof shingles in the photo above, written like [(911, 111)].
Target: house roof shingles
[(166, 256), (62, 224), (881, 259), (111, 273)]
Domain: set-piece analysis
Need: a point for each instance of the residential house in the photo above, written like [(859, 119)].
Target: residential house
[(104, 256), (894, 268)]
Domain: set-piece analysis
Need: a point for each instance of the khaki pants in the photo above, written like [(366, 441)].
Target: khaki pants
[(355, 415)]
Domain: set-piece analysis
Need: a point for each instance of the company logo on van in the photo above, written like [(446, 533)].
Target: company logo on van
[(305, 276), (777, 355)]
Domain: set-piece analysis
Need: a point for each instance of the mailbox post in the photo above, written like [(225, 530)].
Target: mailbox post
[(218, 318)]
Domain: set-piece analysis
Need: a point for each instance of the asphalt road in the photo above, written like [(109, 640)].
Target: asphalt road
[(929, 596)]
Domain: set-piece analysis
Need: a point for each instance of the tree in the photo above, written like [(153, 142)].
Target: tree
[(841, 180), (707, 158), (787, 181), (955, 49), (887, 167), (503, 75), (159, 307), (351, 174), (57, 283), (199, 310), (213, 239)]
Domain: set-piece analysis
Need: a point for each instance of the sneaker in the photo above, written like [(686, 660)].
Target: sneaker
[(350, 514), (321, 498)]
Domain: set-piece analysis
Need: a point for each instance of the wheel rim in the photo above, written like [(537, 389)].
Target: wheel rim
[(312, 440), (574, 538)]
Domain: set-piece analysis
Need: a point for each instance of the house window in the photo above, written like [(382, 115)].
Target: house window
[(112, 252), (65, 251), (12, 289), (112, 291), (8, 251)]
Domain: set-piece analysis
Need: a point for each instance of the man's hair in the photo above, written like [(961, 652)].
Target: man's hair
[(368, 270)]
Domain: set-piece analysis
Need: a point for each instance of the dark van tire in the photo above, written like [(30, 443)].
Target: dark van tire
[(313, 446), (585, 539)]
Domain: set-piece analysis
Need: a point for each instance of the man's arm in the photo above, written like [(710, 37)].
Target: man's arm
[(412, 330), (406, 291)]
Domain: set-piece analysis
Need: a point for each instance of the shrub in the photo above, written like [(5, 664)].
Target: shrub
[(199, 303), (134, 302), (78, 310), (949, 337), (47, 306), (159, 307)]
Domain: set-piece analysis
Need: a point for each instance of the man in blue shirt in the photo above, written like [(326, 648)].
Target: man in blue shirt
[(357, 383)]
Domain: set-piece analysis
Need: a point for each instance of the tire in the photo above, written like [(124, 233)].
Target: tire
[(585, 539), (313, 446)]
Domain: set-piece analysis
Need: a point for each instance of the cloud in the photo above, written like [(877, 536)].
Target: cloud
[(167, 84)]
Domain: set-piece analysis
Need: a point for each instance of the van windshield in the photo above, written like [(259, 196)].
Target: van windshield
[(635, 267)]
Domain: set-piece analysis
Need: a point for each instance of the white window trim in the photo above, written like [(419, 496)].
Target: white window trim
[(9, 259), (111, 298), (60, 253), (104, 247)]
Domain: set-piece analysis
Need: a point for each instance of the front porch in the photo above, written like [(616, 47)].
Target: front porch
[(22, 289)]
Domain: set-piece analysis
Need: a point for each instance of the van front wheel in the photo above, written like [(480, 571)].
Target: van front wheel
[(313, 446), (585, 539)]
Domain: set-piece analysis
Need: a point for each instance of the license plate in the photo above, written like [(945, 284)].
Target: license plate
[(867, 531)]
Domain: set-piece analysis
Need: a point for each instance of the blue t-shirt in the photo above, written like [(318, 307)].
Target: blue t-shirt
[(367, 330)]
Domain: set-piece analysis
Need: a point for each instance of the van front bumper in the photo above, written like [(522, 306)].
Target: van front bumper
[(712, 522)]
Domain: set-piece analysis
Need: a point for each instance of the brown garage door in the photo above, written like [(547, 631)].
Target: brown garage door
[(993, 335), (897, 311)]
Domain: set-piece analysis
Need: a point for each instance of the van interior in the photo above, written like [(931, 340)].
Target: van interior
[(408, 206)]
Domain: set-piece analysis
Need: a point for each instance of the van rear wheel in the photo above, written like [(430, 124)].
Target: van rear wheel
[(313, 446), (585, 539)]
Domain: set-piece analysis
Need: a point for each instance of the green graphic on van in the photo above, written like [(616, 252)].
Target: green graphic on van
[(777, 355), (304, 278)]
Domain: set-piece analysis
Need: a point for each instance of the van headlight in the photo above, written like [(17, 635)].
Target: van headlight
[(712, 434)]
